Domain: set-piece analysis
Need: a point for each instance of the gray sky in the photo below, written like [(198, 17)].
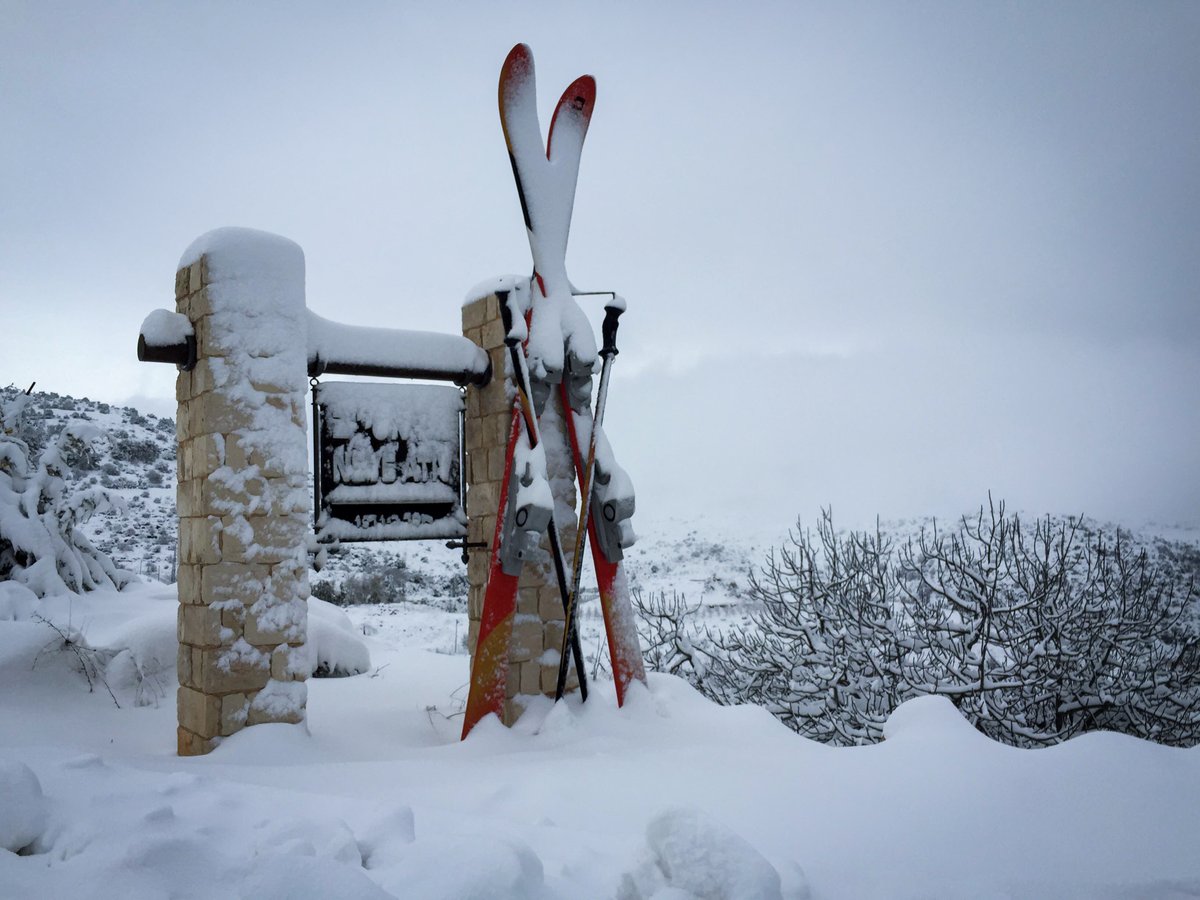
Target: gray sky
[(885, 258)]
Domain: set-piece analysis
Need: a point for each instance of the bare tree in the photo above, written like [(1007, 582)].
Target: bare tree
[(1036, 633)]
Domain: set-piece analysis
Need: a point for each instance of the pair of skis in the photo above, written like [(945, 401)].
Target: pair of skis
[(558, 346)]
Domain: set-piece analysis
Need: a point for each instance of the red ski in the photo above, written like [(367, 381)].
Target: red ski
[(624, 650), (548, 204)]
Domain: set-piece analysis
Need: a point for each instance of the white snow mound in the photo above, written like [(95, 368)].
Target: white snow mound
[(927, 717), (335, 648), (17, 602), (23, 810), (688, 855)]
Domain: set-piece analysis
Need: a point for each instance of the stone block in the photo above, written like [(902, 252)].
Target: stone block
[(527, 602), (240, 668), (218, 498), (496, 459), (206, 376), (199, 713), (200, 626), (495, 430), (196, 305), (234, 708), (181, 282), (531, 677), (183, 666), (483, 499), (262, 635), (550, 680), (216, 413), (549, 604), (512, 710), (280, 703), (552, 632), (492, 334), (190, 744), (526, 641), (474, 314), (289, 662), (208, 454), (477, 567), (232, 581), (200, 540), (189, 582), (189, 498), (477, 431), (269, 540), (195, 270), (536, 572), (472, 636)]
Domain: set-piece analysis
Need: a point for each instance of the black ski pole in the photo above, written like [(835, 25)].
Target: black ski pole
[(612, 312), (525, 395)]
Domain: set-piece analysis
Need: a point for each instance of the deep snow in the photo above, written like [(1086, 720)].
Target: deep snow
[(668, 797)]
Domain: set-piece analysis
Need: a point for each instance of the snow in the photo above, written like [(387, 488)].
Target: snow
[(425, 351), (548, 184), (689, 854), (498, 284), (333, 646), (23, 813), (163, 328), (17, 602), (669, 796), (392, 446)]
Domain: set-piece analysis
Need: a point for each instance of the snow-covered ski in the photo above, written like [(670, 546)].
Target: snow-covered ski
[(547, 193), (599, 514)]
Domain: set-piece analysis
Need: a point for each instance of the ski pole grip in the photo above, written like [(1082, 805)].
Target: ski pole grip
[(609, 330), (506, 318)]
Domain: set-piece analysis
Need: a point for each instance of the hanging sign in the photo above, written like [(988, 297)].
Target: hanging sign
[(388, 462)]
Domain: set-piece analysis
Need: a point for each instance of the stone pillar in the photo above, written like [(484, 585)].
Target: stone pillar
[(538, 625), (242, 496)]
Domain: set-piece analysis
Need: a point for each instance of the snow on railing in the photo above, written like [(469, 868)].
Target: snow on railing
[(338, 349)]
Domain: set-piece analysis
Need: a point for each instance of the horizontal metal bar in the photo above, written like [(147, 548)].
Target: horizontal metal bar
[(318, 367), (182, 355)]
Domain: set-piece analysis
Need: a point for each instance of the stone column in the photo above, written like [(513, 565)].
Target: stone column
[(538, 625), (242, 496)]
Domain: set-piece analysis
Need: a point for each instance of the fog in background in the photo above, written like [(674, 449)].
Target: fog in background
[(880, 257)]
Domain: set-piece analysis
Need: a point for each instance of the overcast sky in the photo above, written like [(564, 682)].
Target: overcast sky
[(880, 257)]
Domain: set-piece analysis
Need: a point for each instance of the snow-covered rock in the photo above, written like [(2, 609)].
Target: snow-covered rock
[(688, 855), (22, 806), (17, 602), (335, 649)]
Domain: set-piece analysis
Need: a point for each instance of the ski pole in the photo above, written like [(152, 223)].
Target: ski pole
[(525, 394), (612, 312)]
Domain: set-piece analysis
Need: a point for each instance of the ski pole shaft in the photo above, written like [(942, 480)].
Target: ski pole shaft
[(608, 350), (525, 394)]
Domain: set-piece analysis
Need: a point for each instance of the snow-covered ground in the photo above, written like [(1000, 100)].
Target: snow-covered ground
[(669, 797)]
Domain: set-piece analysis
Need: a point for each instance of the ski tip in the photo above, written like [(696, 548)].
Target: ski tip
[(516, 72), (576, 102), (518, 66)]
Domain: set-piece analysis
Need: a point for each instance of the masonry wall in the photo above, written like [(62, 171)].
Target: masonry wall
[(539, 622), (242, 497)]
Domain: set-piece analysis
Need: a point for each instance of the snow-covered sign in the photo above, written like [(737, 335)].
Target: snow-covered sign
[(388, 462)]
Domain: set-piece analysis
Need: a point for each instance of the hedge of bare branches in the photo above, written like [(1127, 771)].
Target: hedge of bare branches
[(1036, 631)]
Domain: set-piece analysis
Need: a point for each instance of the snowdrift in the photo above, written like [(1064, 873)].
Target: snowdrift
[(670, 796)]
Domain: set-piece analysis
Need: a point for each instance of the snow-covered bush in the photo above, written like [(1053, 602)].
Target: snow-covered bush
[(1036, 633), (41, 544)]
